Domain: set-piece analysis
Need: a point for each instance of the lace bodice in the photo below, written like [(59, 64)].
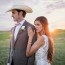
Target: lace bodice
[(41, 54)]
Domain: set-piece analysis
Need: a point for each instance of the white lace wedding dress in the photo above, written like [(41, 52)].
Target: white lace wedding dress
[(41, 54)]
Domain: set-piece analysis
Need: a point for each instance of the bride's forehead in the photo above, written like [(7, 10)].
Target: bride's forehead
[(37, 22)]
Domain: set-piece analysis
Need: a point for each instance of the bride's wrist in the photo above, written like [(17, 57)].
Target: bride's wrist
[(30, 38), (29, 41)]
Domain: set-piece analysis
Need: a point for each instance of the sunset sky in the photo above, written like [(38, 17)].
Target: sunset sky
[(54, 10)]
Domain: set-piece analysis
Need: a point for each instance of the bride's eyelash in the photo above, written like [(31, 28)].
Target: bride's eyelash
[(37, 24)]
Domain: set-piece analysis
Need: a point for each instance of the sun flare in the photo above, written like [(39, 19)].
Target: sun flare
[(51, 29)]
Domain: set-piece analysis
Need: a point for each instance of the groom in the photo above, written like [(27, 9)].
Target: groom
[(19, 39)]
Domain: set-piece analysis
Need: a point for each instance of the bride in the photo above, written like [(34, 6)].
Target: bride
[(43, 48)]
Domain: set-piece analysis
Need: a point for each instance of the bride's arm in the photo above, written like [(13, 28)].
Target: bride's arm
[(31, 49)]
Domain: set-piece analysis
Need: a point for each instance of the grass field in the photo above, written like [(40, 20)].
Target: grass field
[(59, 40), (4, 45)]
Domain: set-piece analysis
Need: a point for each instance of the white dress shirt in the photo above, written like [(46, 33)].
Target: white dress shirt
[(17, 28)]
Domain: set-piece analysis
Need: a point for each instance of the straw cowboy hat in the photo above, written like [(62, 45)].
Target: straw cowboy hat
[(27, 9)]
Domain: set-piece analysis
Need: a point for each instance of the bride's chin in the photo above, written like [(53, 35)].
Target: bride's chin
[(37, 31)]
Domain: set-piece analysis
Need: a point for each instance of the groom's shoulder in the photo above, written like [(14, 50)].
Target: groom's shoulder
[(29, 24)]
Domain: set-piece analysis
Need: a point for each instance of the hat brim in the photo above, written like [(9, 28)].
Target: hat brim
[(21, 7)]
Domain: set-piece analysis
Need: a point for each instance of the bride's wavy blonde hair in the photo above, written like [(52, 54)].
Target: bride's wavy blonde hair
[(43, 20)]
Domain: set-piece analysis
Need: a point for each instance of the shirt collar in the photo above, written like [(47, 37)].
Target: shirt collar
[(22, 22)]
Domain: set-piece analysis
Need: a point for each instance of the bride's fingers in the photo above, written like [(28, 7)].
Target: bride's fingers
[(29, 28)]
